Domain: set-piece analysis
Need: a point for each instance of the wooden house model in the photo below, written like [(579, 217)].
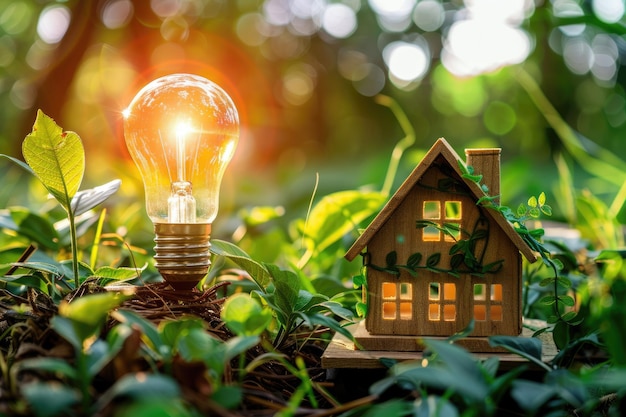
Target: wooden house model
[(435, 259)]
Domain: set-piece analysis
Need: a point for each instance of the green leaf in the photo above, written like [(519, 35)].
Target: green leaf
[(547, 210), (391, 259), (228, 396), (534, 212), (50, 399), (19, 163), (358, 281), (548, 300), (566, 300), (117, 274), (171, 330), (286, 289), (542, 199), (338, 310), (35, 227), (148, 328), (521, 210), (527, 347), (338, 214), (141, 386), (532, 201), (56, 157), (244, 315), (473, 178), (414, 260), (433, 260), (56, 366), (88, 313), (361, 309), (257, 271)]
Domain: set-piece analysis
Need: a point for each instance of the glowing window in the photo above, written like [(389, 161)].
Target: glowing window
[(480, 292), (496, 292), (442, 301), (488, 308), (389, 311), (432, 210), (449, 291), (449, 312), (453, 210), (389, 290), (447, 215), (433, 312), (480, 312), (398, 300), (434, 291)]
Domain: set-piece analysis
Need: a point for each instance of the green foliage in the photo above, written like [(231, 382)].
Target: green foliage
[(56, 157), (291, 305), (79, 323), (245, 316)]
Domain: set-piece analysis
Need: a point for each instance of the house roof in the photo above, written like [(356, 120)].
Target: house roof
[(440, 148)]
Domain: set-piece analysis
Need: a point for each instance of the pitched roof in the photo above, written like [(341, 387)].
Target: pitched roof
[(440, 148)]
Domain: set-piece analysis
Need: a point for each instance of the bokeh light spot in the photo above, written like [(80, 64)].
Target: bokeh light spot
[(251, 29), (7, 51), (339, 21), (406, 61), (499, 118), (117, 13), (569, 8), (16, 17), (277, 12), (166, 8), (392, 8), (372, 83), (298, 84), (610, 11), (578, 55), (53, 23), (428, 15)]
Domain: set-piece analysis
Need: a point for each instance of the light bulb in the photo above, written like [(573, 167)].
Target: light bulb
[(182, 130)]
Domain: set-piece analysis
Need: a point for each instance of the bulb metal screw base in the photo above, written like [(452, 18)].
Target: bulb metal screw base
[(182, 253)]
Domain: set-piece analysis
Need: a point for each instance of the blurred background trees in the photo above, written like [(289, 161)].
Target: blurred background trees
[(542, 79)]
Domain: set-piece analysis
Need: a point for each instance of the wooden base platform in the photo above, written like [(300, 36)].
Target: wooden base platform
[(342, 354)]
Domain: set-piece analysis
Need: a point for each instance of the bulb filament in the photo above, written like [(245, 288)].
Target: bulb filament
[(181, 204)]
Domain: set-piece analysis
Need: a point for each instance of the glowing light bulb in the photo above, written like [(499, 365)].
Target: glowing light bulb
[(182, 130)]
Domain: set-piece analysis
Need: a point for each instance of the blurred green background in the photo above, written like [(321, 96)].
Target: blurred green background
[(544, 80)]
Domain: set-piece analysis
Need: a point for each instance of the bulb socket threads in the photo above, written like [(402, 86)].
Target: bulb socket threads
[(182, 253)]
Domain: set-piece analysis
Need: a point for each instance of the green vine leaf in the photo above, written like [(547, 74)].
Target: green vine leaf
[(433, 260), (56, 157), (414, 260)]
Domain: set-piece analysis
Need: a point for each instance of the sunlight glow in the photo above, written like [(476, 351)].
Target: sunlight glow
[(53, 23), (488, 39)]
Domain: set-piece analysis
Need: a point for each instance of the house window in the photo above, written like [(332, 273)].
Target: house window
[(488, 302), (442, 301), (397, 300), (446, 215)]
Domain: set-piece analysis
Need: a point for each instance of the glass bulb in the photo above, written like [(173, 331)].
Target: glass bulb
[(181, 130)]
